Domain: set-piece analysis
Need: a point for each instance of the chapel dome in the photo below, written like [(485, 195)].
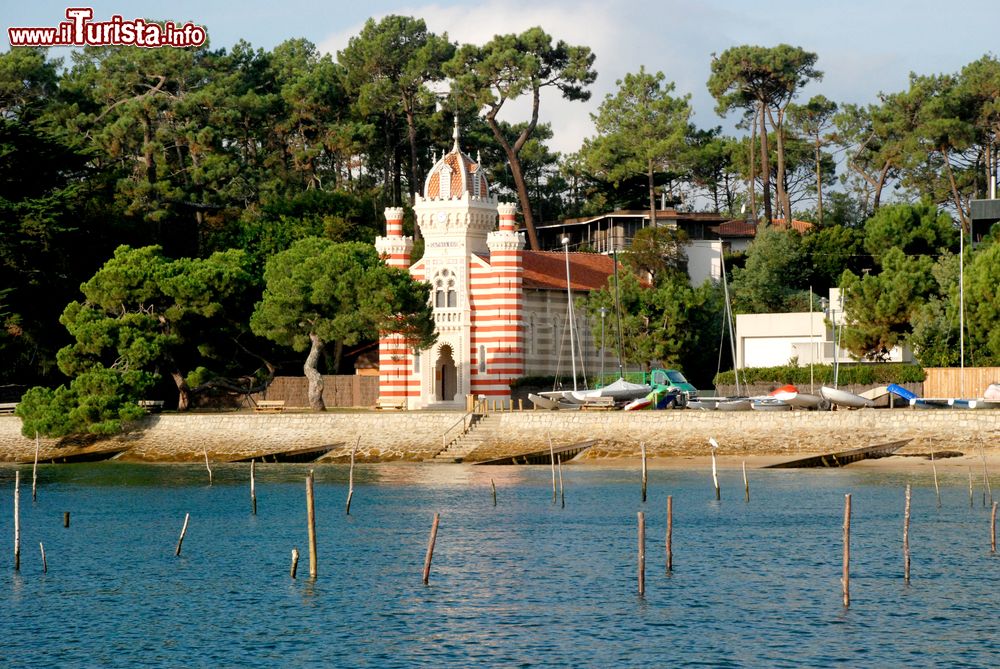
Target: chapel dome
[(455, 175)]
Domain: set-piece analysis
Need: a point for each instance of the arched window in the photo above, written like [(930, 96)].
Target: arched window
[(439, 294), (445, 295), (482, 359)]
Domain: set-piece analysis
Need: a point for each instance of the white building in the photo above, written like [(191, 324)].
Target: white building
[(773, 340)]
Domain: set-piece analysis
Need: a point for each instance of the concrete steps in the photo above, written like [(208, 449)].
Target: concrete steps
[(460, 447)]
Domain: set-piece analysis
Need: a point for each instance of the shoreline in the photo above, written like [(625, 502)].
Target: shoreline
[(671, 438)]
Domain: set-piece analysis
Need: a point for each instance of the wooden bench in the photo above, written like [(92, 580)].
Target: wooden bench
[(392, 404), (152, 406), (8, 407), (269, 406), (598, 404)]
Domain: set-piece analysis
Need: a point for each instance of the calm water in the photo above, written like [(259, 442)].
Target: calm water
[(523, 584)]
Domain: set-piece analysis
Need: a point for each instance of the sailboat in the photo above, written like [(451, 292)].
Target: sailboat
[(620, 390), (563, 399)]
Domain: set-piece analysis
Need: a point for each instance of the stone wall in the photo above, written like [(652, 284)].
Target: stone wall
[(227, 436), (619, 433), (417, 435)]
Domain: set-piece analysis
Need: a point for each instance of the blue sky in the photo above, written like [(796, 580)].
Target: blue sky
[(864, 47)]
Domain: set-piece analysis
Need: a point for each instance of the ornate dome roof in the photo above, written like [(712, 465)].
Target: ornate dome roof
[(455, 175)]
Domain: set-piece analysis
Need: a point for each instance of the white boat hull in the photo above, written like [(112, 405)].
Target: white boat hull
[(845, 399)]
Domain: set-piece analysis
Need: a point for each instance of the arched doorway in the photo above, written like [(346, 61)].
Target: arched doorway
[(446, 375)]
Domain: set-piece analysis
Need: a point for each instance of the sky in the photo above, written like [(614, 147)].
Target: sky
[(864, 47)]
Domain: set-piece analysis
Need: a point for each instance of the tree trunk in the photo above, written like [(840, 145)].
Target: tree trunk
[(784, 206), (411, 129), (652, 194), (752, 185), (515, 164), (954, 191), (183, 391), (819, 185), (765, 168), (315, 378)]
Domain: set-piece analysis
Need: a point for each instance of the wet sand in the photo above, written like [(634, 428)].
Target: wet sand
[(915, 462)]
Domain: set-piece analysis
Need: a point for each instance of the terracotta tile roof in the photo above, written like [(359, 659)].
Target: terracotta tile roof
[(547, 270), (741, 228)]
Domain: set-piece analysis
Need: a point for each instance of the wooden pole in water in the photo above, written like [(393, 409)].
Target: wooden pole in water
[(430, 548), (350, 484), (937, 488), (986, 478), (746, 483), (45, 564), (295, 562), (552, 460), (65, 518), (311, 521), (970, 487), (670, 532), (34, 472), (642, 447), (17, 521), (846, 579), (253, 488), (494, 486), (184, 529), (715, 472), (906, 537), (993, 529), (205, 450), (642, 554), (562, 490)]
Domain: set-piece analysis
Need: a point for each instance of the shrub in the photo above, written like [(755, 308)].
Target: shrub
[(850, 374)]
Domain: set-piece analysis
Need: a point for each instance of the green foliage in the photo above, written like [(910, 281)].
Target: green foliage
[(508, 67), (641, 129), (857, 374), (915, 229), (338, 293), (99, 401), (387, 67), (880, 307), (772, 278), (982, 309), (658, 252), (830, 250), (145, 311), (670, 325)]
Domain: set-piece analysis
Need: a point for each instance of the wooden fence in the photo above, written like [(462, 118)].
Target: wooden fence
[(947, 381), (338, 391)]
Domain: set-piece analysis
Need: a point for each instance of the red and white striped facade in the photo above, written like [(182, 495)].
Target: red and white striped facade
[(475, 270)]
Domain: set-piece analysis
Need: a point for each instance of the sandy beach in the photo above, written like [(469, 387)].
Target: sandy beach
[(915, 462)]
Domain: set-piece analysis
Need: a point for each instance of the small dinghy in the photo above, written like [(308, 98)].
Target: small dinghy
[(737, 404), (918, 403), (769, 404), (638, 404), (843, 398), (800, 400)]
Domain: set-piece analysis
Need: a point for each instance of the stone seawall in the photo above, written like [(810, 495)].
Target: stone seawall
[(619, 433), (226, 436), (418, 435)]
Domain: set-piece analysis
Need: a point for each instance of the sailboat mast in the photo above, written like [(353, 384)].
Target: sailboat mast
[(618, 310), (729, 318), (569, 311), (961, 308)]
